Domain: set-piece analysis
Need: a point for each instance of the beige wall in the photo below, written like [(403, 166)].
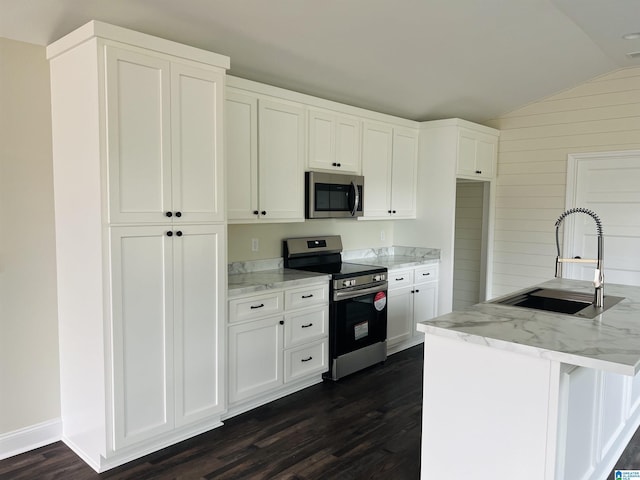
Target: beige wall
[(600, 115), (356, 235), (29, 381)]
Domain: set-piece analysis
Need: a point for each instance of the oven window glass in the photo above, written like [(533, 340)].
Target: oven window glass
[(358, 323)]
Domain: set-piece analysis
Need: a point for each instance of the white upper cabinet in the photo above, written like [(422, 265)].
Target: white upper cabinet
[(281, 141), (334, 142), (389, 166), (241, 155), (477, 154), (163, 139), (265, 142)]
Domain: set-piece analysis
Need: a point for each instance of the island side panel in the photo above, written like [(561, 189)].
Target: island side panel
[(487, 413)]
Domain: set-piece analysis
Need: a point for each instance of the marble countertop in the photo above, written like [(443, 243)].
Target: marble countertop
[(396, 261), (259, 275), (255, 282), (610, 342)]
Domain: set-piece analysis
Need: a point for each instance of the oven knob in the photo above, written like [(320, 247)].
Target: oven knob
[(378, 278), (347, 283)]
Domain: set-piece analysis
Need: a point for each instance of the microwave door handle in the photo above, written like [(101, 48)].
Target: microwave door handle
[(356, 200)]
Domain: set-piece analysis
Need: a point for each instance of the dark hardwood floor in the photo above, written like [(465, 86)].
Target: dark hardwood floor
[(365, 426)]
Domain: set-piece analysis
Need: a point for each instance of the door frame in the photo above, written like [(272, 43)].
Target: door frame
[(573, 159)]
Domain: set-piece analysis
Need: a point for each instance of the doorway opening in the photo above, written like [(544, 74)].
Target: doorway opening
[(470, 243)]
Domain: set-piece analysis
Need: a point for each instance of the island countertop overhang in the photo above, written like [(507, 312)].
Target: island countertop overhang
[(609, 342)]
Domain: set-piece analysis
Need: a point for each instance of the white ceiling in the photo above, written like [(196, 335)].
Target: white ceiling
[(419, 59)]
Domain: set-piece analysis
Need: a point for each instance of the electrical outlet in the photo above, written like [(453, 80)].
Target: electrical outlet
[(382, 236), (254, 244)]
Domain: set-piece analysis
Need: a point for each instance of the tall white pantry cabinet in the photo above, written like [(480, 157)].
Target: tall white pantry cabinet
[(140, 239)]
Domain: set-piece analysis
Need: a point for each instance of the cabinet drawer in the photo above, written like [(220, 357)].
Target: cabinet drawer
[(306, 360), (256, 306), (427, 273), (400, 278), (305, 326), (307, 296)]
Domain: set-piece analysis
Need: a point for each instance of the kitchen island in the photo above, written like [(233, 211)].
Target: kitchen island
[(511, 392)]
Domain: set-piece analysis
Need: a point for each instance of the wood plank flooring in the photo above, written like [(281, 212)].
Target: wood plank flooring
[(366, 426)]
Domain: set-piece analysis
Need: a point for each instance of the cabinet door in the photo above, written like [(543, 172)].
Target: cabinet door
[(281, 161), (377, 145), (425, 298), (199, 262), (196, 114), (322, 140), (334, 142), (477, 154), (466, 153), (241, 154), (399, 315), (142, 333), (348, 145), (580, 423), (486, 156), (404, 173), (255, 357), (138, 138)]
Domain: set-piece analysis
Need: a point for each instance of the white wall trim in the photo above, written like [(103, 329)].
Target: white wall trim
[(29, 438)]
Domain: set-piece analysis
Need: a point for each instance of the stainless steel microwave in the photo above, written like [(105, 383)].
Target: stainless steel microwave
[(333, 195)]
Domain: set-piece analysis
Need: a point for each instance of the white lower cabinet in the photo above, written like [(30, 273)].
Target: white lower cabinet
[(278, 344), (165, 329), (413, 294), (598, 415), (255, 357)]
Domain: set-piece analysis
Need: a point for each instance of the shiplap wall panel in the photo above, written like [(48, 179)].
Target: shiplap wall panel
[(468, 244), (600, 115)]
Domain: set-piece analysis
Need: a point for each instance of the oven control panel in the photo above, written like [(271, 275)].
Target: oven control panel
[(360, 281)]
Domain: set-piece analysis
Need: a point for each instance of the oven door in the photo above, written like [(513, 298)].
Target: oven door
[(359, 319)]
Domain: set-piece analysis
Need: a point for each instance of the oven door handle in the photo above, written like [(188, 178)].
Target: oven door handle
[(345, 295), (356, 198)]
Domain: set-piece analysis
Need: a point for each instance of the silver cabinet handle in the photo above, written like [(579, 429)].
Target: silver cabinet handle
[(306, 359), (253, 307), (307, 296), (307, 325)]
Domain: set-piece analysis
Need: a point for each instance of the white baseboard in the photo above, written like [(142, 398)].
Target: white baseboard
[(28, 438)]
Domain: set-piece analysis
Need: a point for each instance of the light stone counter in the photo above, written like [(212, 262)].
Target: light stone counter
[(258, 281), (393, 257), (610, 342)]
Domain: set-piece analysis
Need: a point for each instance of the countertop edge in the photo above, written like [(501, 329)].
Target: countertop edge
[(304, 279), (554, 355)]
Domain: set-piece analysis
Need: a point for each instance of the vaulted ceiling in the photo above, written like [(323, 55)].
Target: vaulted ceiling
[(418, 59)]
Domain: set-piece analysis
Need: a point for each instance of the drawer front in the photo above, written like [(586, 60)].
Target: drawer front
[(305, 326), (305, 297), (428, 273), (306, 360), (256, 306), (400, 278)]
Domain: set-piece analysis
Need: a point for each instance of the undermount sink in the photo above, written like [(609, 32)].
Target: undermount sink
[(577, 304)]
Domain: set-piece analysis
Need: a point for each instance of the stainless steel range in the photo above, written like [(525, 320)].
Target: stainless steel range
[(357, 306)]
